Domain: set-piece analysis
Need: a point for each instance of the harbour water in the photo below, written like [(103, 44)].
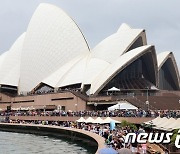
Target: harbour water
[(20, 143)]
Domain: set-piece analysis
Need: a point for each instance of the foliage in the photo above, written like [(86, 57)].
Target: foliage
[(173, 138), (125, 123)]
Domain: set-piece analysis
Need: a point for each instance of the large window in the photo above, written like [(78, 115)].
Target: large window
[(138, 75), (166, 81)]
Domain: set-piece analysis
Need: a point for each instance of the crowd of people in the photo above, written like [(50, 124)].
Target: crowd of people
[(114, 138), (102, 113)]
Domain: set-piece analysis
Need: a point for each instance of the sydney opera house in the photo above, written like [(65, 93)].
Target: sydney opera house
[(51, 65)]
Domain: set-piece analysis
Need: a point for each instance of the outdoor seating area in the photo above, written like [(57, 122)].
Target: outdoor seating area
[(166, 124)]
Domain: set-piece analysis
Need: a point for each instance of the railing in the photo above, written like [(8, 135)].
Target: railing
[(115, 94)]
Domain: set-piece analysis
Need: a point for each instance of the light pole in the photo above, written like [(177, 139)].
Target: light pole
[(59, 108), (44, 108), (147, 95), (147, 98), (119, 106), (95, 105), (147, 103)]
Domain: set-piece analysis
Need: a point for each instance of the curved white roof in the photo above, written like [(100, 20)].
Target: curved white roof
[(54, 51), (2, 57), (94, 67), (52, 39), (70, 73), (10, 70), (115, 45), (116, 67), (162, 57), (111, 48), (123, 27), (67, 74), (75, 74)]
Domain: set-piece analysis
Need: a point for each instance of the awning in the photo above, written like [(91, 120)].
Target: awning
[(165, 123)]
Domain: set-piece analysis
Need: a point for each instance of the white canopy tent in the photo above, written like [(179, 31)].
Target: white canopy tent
[(89, 120), (113, 89), (108, 120), (154, 121), (123, 106), (165, 123), (81, 120), (98, 120)]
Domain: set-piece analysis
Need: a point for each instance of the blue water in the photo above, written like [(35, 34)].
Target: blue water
[(19, 143)]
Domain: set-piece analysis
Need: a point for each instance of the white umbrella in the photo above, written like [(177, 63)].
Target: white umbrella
[(81, 120), (113, 89), (89, 120), (123, 106), (98, 120), (24, 108), (15, 108), (152, 122), (108, 120)]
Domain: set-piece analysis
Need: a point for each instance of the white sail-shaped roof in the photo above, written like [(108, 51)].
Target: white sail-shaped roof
[(54, 78), (52, 39), (117, 44), (162, 57), (70, 73), (2, 57), (75, 75), (116, 67), (10, 67), (94, 67), (54, 52), (87, 69), (111, 48)]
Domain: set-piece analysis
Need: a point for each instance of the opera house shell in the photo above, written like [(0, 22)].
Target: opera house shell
[(53, 54)]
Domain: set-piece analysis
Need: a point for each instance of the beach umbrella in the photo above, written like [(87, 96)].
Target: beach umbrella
[(107, 151)]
